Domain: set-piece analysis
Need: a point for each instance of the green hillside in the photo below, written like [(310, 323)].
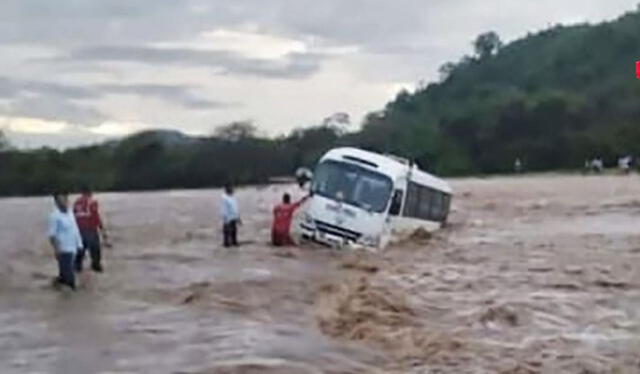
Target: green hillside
[(553, 98)]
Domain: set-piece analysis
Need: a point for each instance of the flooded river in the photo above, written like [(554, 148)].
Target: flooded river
[(538, 274)]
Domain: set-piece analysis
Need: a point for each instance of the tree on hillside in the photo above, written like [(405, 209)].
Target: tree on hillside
[(446, 69), (487, 44), (308, 144), (339, 121), (236, 131)]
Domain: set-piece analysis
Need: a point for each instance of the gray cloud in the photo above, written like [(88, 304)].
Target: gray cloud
[(439, 29), (79, 22), (363, 22), (103, 44), (53, 109), (62, 102), (71, 21), (177, 94), (293, 65), (10, 88), (48, 101)]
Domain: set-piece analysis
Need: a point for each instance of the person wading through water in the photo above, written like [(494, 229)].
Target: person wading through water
[(230, 218), (91, 227), (282, 216), (65, 239)]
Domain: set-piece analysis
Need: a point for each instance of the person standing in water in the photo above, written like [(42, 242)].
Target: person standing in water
[(91, 228), (65, 239), (230, 218), (282, 216)]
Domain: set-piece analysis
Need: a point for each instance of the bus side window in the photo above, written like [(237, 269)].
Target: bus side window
[(446, 207), (396, 203), (411, 205), (437, 205), (426, 196)]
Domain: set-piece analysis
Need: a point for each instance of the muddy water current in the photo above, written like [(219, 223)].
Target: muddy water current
[(538, 274)]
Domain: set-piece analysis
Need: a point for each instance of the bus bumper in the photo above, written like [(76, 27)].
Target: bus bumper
[(311, 234)]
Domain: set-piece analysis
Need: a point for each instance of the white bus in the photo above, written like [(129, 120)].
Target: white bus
[(360, 198)]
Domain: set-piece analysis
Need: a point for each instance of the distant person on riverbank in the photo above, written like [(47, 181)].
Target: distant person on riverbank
[(597, 165), (230, 218), (517, 166), (624, 164), (65, 239), (282, 217), (91, 228)]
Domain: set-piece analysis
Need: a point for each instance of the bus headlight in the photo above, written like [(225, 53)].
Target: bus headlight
[(371, 240)]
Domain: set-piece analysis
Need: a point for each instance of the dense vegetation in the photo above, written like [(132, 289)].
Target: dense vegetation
[(165, 159), (552, 99)]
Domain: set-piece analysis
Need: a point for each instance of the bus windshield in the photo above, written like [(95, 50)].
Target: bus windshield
[(352, 184)]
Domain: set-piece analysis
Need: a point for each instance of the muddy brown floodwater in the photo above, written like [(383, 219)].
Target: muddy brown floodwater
[(537, 274)]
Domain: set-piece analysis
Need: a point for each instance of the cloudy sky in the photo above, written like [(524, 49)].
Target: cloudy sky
[(79, 71)]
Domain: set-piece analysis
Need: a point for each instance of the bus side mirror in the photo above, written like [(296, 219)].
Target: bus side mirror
[(396, 203), (303, 176)]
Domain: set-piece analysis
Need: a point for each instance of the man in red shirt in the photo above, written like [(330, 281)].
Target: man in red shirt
[(282, 216), (90, 224)]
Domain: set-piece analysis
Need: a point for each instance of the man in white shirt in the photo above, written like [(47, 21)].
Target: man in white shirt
[(230, 218), (597, 165), (65, 239), (624, 163)]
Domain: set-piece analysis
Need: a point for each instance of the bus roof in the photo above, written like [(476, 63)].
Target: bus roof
[(388, 165)]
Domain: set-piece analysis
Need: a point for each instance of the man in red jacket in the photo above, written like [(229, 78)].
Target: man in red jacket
[(282, 216), (90, 224)]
